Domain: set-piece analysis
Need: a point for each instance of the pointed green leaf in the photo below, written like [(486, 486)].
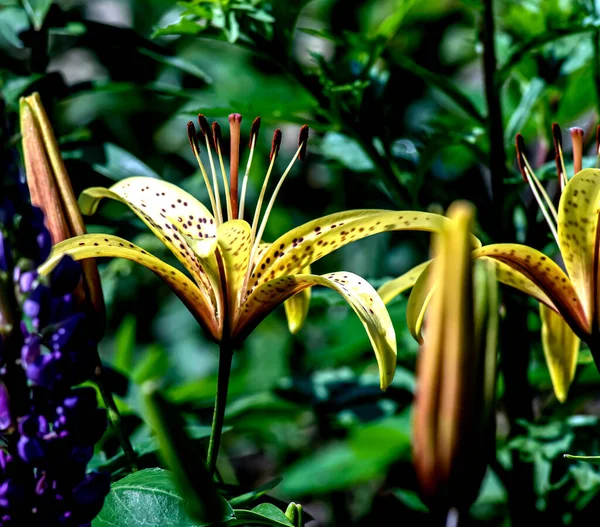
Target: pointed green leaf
[(37, 11)]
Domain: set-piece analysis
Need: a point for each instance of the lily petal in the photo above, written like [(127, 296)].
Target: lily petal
[(361, 296), (313, 240), (178, 219), (296, 307), (106, 245), (561, 349), (578, 233), (546, 275), (393, 288), (417, 303), (235, 241)]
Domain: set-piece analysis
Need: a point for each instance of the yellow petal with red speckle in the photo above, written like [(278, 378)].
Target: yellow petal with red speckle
[(361, 296), (546, 275), (578, 233), (106, 246), (235, 242), (561, 349), (308, 243), (178, 219)]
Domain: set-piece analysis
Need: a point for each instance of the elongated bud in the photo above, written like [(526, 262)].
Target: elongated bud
[(51, 190), (294, 513), (275, 144), (205, 127), (254, 131), (303, 142), (520, 146), (577, 140), (218, 138), (453, 419)]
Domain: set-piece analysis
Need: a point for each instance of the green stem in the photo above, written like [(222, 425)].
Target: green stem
[(225, 360), (114, 416)]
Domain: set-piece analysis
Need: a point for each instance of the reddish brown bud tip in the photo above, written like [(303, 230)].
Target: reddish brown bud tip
[(303, 142), (275, 144), (193, 137), (235, 117), (204, 126), (217, 137), (254, 131), (520, 145), (556, 136)]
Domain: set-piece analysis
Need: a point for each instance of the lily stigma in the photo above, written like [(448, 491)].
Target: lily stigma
[(570, 298), (236, 279)]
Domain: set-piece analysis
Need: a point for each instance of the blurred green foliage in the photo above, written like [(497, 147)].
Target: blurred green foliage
[(394, 93)]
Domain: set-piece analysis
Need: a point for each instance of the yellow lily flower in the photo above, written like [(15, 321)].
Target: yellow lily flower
[(235, 280), (569, 299)]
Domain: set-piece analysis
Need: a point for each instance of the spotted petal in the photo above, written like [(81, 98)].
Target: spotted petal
[(561, 349), (296, 307), (178, 219), (313, 240), (356, 291), (546, 275), (106, 245), (235, 242), (578, 232)]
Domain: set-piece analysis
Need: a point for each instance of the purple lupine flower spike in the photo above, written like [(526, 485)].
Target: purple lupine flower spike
[(48, 426)]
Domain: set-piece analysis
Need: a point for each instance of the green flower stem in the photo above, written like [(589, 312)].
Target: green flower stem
[(225, 360), (114, 416)]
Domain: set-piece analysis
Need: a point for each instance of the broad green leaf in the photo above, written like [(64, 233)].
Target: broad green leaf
[(147, 498), (180, 454), (37, 11), (120, 164), (125, 344), (263, 514)]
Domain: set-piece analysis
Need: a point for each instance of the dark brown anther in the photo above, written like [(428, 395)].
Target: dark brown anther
[(303, 142), (557, 137), (276, 144), (217, 137), (254, 131), (193, 137), (520, 145), (204, 126)]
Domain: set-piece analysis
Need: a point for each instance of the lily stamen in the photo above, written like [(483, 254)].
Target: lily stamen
[(275, 145), (577, 141), (193, 138), (235, 120), (542, 198), (217, 138), (206, 131), (558, 156), (251, 144)]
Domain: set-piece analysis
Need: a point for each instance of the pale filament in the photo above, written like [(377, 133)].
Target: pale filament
[(225, 182), (206, 181), (245, 181), (219, 215)]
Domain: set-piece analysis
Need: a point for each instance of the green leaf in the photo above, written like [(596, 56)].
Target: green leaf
[(147, 498), (264, 514), (153, 365), (249, 497), (182, 457), (364, 457), (522, 113), (595, 460), (120, 164), (346, 151), (37, 11), (125, 344), (178, 63)]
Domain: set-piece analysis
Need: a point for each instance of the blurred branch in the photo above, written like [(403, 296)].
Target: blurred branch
[(521, 50), (444, 85)]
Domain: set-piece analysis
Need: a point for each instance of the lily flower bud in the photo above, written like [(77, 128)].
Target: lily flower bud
[(453, 432), (51, 191)]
